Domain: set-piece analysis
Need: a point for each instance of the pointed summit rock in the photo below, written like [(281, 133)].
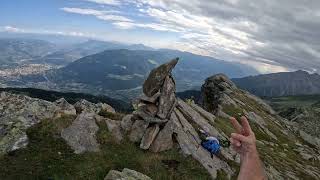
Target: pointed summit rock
[(157, 76)]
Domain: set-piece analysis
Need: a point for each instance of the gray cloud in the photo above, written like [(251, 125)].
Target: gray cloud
[(270, 35), (284, 33)]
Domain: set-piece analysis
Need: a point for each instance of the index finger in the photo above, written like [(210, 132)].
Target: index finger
[(236, 125), (246, 126)]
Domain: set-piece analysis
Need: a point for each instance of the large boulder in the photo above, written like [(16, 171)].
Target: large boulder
[(81, 134), (157, 76), (214, 88)]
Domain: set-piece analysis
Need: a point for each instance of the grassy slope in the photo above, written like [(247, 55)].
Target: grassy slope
[(48, 157), (279, 103), (272, 155)]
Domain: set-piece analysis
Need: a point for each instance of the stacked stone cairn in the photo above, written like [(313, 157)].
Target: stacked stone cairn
[(161, 119)]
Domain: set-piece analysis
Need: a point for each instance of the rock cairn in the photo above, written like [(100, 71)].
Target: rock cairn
[(154, 110), (161, 119)]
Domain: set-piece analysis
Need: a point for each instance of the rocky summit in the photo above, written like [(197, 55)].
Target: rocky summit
[(160, 139), (286, 151)]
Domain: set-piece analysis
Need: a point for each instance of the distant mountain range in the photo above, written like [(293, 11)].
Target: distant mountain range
[(77, 51), (126, 69), (100, 67), (281, 84), (20, 50), (16, 51)]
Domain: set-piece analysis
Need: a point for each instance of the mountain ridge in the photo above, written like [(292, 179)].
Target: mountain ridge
[(281, 84)]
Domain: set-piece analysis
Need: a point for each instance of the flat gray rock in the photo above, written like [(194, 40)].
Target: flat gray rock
[(135, 174), (149, 136), (81, 134), (151, 99), (148, 117), (210, 117), (196, 118), (114, 175), (126, 174), (167, 98), (157, 76), (114, 128), (126, 122), (137, 131), (163, 141), (187, 127), (190, 146)]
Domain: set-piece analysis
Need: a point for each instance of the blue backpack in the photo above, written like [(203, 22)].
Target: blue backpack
[(212, 146)]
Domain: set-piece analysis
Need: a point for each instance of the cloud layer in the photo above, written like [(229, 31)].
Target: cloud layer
[(270, 35)]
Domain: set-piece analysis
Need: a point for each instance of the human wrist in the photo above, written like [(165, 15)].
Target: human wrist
[(250, 154)]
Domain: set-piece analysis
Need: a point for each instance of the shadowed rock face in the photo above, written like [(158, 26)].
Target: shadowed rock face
[(157, 76)]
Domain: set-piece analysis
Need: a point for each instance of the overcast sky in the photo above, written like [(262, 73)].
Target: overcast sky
[(270, 35)]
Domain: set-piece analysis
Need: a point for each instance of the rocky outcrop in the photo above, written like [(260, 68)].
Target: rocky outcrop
[(80, 135), (19, 112), (308, 138), (64, 108), (126, 174), (222, 98), (215, 91), (84, 105)]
